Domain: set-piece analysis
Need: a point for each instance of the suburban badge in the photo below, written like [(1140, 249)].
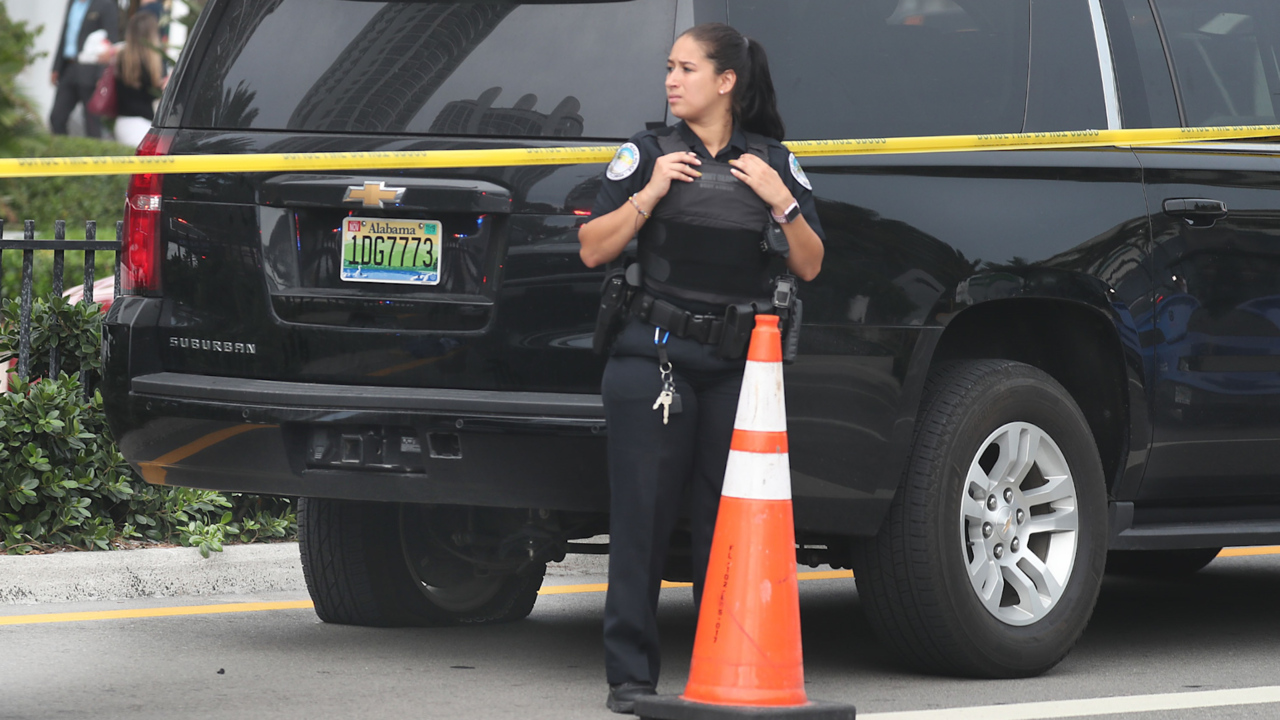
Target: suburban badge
[(220, 346)]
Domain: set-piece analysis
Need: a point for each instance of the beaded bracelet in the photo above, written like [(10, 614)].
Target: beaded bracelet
[(636, 205)]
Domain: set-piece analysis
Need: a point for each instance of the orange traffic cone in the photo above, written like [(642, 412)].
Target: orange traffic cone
[(747, 659)]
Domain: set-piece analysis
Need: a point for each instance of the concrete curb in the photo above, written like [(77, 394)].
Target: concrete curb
[(177, 572), (157, 572)]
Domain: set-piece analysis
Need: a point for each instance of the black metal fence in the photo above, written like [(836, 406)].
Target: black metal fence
[(59, 245)]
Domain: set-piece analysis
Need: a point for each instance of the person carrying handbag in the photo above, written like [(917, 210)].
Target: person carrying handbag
[(139, 70)]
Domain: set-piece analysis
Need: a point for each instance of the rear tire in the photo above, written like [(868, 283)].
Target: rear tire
[(376, 565), (1159, 563), (990, 560)]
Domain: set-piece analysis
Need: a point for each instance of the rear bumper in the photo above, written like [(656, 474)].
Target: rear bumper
[(521, 450)]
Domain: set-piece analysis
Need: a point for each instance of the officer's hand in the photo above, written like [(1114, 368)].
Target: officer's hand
[(764, 180), (668, 168)]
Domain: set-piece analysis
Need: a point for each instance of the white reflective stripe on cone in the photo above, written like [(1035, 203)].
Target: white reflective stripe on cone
[(762, 405), (757, 476)]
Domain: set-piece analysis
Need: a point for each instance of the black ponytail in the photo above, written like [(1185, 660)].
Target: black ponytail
[(755, 104)]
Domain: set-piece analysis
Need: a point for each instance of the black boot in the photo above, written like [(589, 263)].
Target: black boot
[(622, 697)]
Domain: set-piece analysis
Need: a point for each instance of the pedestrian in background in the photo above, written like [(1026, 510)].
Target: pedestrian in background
[(73, 79), (140, 76), (162, 9)]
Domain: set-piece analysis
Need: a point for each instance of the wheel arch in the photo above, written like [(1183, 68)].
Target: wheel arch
[(1077, 344)]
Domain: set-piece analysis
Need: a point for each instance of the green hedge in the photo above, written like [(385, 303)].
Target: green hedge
[(74, 199), (17, 115), (63, 481)]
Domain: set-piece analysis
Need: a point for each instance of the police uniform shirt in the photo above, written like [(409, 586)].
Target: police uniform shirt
[(632, 168)]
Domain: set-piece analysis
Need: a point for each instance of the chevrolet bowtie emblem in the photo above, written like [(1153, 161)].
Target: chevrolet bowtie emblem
[(373, 194)]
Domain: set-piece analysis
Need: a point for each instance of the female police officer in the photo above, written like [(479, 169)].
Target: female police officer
[(699, 196)]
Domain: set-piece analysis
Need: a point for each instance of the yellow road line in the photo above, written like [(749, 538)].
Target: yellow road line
[(601, 587), (509, 157), (306, 604), (154, 612), (573, 589), (825, 575), (597, 588)]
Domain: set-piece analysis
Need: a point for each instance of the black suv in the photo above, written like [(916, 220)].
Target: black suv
[(1013, 363)]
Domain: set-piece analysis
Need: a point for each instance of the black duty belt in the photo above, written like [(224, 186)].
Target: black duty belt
[(706, 329)]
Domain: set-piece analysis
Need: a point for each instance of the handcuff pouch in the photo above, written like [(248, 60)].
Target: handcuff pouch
[(739, 321)]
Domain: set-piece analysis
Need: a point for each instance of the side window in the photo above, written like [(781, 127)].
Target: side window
[(1225, 58), (846, 69), (1146, 87), (1066, 83)]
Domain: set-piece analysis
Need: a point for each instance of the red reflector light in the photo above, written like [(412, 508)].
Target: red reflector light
[(140, 249), (582, 213)]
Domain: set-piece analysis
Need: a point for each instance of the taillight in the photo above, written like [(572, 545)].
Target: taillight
[(140, 253)]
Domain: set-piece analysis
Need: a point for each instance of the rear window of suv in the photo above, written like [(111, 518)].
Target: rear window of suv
[(577, 69)]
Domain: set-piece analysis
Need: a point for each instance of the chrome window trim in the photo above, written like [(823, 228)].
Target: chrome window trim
[(1106, 65), (684, 21), (684, 16)]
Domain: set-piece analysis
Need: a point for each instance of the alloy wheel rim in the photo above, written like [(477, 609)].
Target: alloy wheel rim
[(1019, 524)]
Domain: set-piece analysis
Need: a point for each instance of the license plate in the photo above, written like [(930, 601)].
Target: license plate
[(391, 251)]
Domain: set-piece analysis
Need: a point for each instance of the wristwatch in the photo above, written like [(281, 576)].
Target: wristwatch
[(793, 212)]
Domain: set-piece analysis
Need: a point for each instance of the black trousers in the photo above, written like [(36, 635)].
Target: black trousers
[(75, 86), (657, 473)]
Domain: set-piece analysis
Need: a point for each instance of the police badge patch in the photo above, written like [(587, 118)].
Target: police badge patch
[(798, 173), (624, 162)]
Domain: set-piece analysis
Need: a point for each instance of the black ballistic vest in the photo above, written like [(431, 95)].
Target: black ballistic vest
[(703, 242)]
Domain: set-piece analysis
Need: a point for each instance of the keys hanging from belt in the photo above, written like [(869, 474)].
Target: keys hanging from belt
[(668, 399)]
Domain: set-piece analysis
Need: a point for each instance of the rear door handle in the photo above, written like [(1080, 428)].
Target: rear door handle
[(1196, 211)]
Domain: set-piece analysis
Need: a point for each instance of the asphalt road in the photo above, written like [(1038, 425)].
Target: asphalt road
[(1150, 643)]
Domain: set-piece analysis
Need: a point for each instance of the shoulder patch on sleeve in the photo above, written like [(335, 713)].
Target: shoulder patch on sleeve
[(798, 173), (624, 162)]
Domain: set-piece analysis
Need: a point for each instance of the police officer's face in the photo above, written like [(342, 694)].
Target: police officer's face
[(695, 91)]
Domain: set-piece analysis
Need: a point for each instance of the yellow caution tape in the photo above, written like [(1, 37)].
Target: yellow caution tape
[(288, 162), (508, 157), (1030, 141)]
